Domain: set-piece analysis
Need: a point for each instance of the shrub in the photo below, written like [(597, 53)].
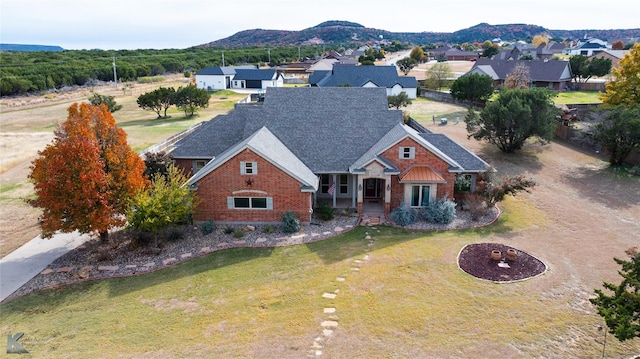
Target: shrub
[(441, 211), (267, 229), (462, 183), (404, 215), (238, 233), (290, 223), (207, 227), (174, 234), (475, 204), (324, 211), (228, 230)]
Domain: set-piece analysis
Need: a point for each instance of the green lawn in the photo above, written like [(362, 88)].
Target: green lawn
[(577, 97), (409, 298)]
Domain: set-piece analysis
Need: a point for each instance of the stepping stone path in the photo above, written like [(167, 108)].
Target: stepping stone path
[(330, 324)]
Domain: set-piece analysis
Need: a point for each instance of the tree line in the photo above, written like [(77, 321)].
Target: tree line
[(31, 72)]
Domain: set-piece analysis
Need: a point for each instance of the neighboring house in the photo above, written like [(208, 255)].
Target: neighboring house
[(343, 146), (256, 79), (237, 77), (218, 77), (614, 55), (520, 49), (453, 54), (366, 76), (553, 74), (586, 47)]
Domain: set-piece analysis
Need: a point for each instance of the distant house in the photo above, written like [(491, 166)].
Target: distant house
[(453, 54), (302, 146), (586, 47), (553, 74), (520, 49), (614, 55), (237, 77), (256, 79), (366, 76)]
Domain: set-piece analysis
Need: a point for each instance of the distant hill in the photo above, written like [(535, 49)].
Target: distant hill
[(344, 32), (21, 47)]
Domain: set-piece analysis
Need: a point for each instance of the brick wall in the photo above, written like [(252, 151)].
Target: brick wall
[(269, 181), (422, 157)]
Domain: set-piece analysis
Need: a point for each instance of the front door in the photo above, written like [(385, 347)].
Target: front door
[(372, 187)]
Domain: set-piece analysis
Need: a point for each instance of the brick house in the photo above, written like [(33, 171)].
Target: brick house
[(339, 145), (552, 74)]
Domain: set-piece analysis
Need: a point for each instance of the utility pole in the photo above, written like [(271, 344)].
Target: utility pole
[(299, 58), (222, 58), (269, 50), (115, 77)]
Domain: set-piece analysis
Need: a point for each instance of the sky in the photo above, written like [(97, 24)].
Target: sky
[(178, 24)]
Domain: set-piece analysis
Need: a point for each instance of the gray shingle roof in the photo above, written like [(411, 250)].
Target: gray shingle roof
[(326, 128), (254, 74), (465, 158), (357, 76), (551, 71)]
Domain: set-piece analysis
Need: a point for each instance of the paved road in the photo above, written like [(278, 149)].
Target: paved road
[(18, 267)]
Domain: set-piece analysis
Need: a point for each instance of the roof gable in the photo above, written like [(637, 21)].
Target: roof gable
[(267, 146)]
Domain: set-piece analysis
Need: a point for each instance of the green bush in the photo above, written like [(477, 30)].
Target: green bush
[(228, 230), (267, 229), (441, 211), (238, 233), (324, 211), (207, 227), (404, 215), (290, 223), (174, 234)]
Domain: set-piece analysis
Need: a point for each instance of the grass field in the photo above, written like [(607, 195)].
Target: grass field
[(408, 299)]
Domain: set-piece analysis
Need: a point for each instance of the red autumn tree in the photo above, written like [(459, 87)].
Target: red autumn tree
[(85, 178)]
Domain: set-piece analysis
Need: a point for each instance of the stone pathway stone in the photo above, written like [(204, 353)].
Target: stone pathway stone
[(64, 270), (329, 295), (108, 268), (47, 271)]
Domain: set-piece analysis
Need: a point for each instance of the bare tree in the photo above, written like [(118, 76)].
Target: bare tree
[(518, 78)]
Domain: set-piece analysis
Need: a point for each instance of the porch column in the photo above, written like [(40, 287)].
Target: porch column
[(335, 190), (354, 193), (360, 194), (387, 194)]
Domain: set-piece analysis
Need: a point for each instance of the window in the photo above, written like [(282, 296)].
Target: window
[(250, 202), (249, 168), (344, 184), (419, 195), (197, 165), (325, 183), (407, 153)]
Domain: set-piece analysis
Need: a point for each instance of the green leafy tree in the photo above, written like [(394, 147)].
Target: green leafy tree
[(96, 99), (513, 117), (158, 100), (438, 75), (625, 88), (473, 87), (190, 99), (489, 52), (617, 130), (621, 310), (583, 68), (399, 100), (405, 65), (166, 202)]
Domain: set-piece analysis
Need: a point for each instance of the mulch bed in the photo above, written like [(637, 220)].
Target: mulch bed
[(476, 260)]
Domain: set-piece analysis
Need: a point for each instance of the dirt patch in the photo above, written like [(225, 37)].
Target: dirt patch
[(477, 260)]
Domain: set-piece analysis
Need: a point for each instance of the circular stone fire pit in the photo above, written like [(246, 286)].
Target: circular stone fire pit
[(476, 260)]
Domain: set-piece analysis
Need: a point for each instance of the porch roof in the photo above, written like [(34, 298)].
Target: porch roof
[(421, 174)]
